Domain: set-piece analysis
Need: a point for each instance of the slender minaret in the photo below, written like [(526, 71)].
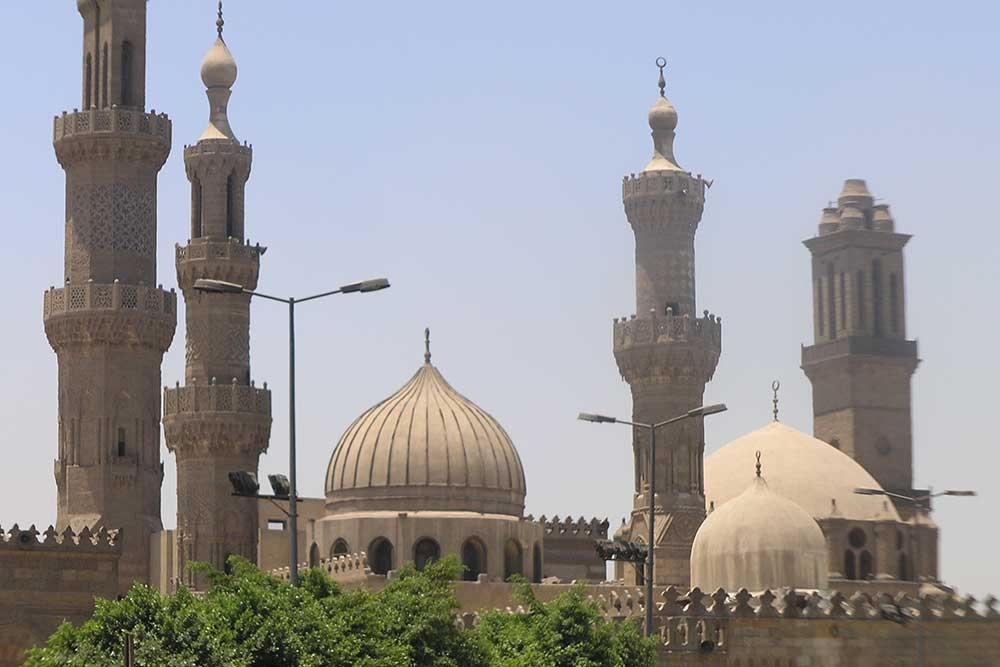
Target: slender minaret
[(218, 422), (109, 324), (666, 352), (861, 363)]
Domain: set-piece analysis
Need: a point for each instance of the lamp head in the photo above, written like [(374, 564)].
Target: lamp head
[(373, 285), (707, 410), (954, 492), (217, 286), (596, 419), (244, 483), (280, 485)]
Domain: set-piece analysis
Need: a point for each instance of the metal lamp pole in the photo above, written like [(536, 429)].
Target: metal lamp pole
[(919, 503), (220, 286), (702, 411)]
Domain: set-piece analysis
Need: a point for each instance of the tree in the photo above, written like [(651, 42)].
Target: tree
[(249, 618)]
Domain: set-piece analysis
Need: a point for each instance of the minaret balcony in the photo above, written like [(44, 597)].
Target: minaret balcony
[(114, 132), (655, 329), (215, 398), (207, 420), (218, 259), (115, 314), (668, 348)]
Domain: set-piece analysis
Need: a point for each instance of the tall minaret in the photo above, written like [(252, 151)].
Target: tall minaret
[(666, 352), (861, 363), (218, 422), (109, 324)]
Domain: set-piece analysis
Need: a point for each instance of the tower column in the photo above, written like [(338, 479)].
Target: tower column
[(109, 324), (666, 352), (219, 421)]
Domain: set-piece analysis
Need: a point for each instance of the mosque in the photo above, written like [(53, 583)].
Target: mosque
[(798, 566)]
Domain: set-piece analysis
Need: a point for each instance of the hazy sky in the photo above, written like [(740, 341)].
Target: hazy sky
[(473, 153)]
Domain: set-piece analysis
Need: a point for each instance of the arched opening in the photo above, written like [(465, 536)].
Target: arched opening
[(843, 300), (877, 296), (536, 563), (473, 558), (380, 555), (859, 291), (513, 559), (831, 300), (819, 307), (103, 85), (121, 442), (425, 552), (195, 208), (865, 565), (850, 568), (128, 65), (857, 538), (340, 548), (314, 555), (230, 217), (88, 84), (894, 303), (904, 568)]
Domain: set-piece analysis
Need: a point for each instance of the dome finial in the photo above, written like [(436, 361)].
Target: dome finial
[(758, 463), (775, 386), (427, 345), (661, 62), (220, 22)]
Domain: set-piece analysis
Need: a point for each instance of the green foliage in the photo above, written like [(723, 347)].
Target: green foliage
[(250, 619)]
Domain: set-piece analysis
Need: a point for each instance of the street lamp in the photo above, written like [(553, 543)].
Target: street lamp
[(919, 502), (702, 411), (223, 287)]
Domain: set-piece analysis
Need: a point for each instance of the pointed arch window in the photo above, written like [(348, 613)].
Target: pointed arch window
[(894, 303), (850, 568), (120, 450), (127, 74), (536, 563), (88, 83), (865, 565), (513, 559), (859, 291), (877, 296), (831, 300), (196, 214), (380, 555), (819, 307), (340, 548), (105, 83), (230, 212), (473, 558)]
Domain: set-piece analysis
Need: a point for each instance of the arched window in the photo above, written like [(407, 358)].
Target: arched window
[(195, 208), (832, 299), (843, 300), (425, 551), (819, 306), (230, 200), (121, 442), (859, 291), (904, 568), (473, 558), (340, 548), (314, 555), (877, 296), (850, 569), (104, 85), (857, 538), (127, 74), (513, 559), (88, 83), (865, 565), (380, 555), (894, 303), (536, 563)]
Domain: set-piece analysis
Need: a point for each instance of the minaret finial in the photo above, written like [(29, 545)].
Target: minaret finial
[(661, 62), (758, 463), (775, 386), (427, 345), (221, 22)]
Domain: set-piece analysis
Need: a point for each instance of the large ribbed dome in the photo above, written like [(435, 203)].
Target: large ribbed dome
[(426, 447)]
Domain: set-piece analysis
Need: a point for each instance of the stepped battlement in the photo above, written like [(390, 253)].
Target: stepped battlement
[(85, 540)]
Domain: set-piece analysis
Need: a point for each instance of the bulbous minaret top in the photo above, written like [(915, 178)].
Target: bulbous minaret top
[(663, 122), (218, 72)]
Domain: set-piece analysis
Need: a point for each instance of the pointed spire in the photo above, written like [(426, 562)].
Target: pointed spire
[(427, 345), (219, 72), (775, 386), (220, 23), (661, 62)]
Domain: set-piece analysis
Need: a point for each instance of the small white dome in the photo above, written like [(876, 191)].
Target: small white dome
[(807, 471), (218, 69), (759, 540)]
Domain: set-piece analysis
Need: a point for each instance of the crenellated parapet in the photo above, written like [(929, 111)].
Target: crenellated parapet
[(555, 527), (115, 314), (667, 349), (227, 260), (101, 540), (665, 200), (115, 133)]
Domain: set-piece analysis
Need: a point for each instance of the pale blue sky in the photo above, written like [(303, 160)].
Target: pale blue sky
[(473, 153)]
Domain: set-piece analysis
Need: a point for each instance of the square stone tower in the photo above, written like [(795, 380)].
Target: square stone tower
[(861, 362)]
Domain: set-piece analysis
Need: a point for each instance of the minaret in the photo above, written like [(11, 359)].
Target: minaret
[(218, 422), (861, 363), (666, 352), (109, 324)]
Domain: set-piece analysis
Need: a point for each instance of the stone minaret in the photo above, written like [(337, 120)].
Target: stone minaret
[(218, 422), (861, 362), (109, 324), (666, 352)]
